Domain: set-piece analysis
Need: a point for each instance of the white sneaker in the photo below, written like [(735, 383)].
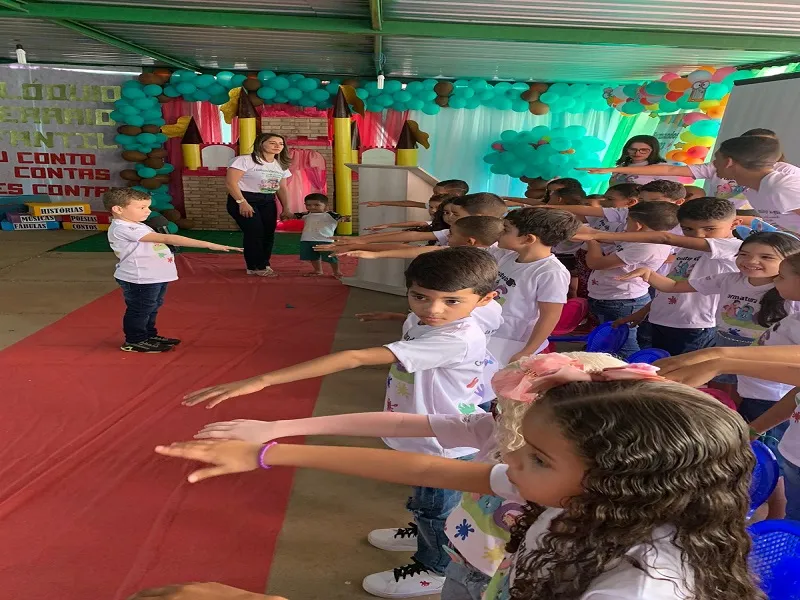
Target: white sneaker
[(268, 272), (403, 539), (408, 581)]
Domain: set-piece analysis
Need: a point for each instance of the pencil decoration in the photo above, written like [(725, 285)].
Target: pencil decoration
[(342, 153), (410, 136), (190, 147), (355, 142), (247, 124)]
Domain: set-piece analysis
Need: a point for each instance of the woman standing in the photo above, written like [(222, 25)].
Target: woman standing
[(253, 182), (639, 151)]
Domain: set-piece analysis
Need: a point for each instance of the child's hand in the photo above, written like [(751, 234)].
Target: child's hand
[(632, 320), (246, 430), (380, 316), (377, 227), (673, 363), (328, 247), (594, 170), (227, 457), (372, 204), (219, 393), (694, 375), (199, 591), (642, 272), (358, 253), (585, 233), (221, 248)]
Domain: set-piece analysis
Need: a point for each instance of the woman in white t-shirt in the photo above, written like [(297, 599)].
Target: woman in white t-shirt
[(253, 182), (639, 151)]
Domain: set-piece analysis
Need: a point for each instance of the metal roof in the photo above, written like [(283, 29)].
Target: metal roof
[(320, 8), (730, 16)]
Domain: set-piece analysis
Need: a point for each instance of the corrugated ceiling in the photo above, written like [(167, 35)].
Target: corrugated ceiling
[(321, 8), (777, 17)]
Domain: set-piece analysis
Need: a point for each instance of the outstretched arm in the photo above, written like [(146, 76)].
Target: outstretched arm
[(660, 170), (180, 240), (397, 225), (402, 203), (383, 465), (318, 367), (407, 252), (661, 283), (644, 237)]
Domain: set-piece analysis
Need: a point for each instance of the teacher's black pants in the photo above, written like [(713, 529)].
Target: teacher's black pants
[(259, 230)]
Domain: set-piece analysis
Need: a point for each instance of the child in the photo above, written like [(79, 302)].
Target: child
[(533, 285), (433, 206), (683, 323), (319, 225), (145, 268), (632, 487), (748, 301), (611, 298), (435, 370), (661, 190)]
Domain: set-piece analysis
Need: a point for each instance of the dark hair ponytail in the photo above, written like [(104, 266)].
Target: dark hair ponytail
[(773, 305)]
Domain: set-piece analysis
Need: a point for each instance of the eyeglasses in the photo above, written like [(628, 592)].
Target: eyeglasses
[(639, 150)]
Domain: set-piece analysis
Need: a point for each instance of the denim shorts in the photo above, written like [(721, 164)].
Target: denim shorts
[(726, 341), (463, 582), (307, 252)]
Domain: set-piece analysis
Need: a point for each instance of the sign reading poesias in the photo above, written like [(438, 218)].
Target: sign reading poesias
[(56, 133)]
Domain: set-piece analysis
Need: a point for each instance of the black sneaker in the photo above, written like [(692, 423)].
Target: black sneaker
[(147, 346), (165, 340)]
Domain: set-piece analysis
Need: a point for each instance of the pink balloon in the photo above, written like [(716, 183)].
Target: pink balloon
[(498, 146), (691, 118), (670, 76), (722, 73), (698, 151)]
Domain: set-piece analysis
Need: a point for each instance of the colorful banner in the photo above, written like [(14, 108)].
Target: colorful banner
[(668, 131), (56, 135)]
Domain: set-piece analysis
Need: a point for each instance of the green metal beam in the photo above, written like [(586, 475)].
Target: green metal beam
[(112, 40), (424, 29), (376, 14), (14, 5)]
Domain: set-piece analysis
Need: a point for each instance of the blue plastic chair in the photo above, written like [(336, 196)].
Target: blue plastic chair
[(775, 558), (765, 475), (648, 356), (603, 338)]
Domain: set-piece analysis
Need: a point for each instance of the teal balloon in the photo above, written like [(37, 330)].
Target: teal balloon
[(166, 169), (549, 97), (153, 90), (558, 160), (172, 227), (152, 114), (295, 77), (333, 87), (320, 95), (478, 84), (502, 86), (632, 108), (466, 92), (132, 83), (502, 103), (665, 106), (185, 88), (123, 140), (415, 104), (578, 107), (519, 106), (135, 120), (139, 188), (219, 99), (707, 128), (146, 138), (201, 96), (566, 102), (145, 103), (414, 87), (308, 84), (399, 106), (560, 144), (203, 81), (370, 86), (509, 135), (428, 95), (265, 75), (280, 99), (161, 138), (266, 92), (386, 99), (146, 172), (499, 169), (171, 91), (429, 84), (279, 83), (460, 83), (293, 94), (360, 92), (684, 102), (520, 87), (128, 110), (160, 122), (238, 79), (402, 96), (392, 86), (132, 93), (631, 91), (656, 88), (374, 106), (492, 158), (184, 75), (575, 132), (716, 91), (472, 103), (307, 102), (593, 144), (431, 108), (456, 102), (216, 89), (224, 77), (559, 89)]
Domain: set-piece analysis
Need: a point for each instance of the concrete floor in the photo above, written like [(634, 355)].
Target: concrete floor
[(322, 551)]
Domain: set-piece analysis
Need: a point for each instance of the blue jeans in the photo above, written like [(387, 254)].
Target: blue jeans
[(430, 507), (680, 341), (611, 310), (142, 301), (751, 409), (791, 483), (464, 582)]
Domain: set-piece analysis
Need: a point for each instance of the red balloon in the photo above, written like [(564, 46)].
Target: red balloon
[(697, 152), (673, 96), (498, 146)]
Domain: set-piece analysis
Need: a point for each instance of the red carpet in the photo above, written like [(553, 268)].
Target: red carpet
[(87, 510)]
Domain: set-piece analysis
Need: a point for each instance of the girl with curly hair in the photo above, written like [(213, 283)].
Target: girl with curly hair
[(635, 488)]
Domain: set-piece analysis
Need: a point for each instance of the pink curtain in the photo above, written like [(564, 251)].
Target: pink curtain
[(207, 116), (308, 176), (380, 130)]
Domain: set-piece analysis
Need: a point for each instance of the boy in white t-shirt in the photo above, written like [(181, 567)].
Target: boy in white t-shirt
[(611, 298), (146, 265), (532, 285), (435, 369), (319, 225), (683, 323)]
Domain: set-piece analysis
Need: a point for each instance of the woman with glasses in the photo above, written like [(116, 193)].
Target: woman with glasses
[(639, 151)]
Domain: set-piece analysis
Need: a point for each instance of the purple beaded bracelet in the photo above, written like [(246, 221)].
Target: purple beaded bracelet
[(263, 453)]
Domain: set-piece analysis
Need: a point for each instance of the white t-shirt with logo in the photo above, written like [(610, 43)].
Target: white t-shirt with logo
[(785, 332), (520, 287), (739, 304), (140, 262), (318, 227), (489, 318), (439, 371), (695, 311), (618, 178), (728, 189), (260, 179), (662, 576), (480, 526), (604, 285), (777, 195), (442, 237)]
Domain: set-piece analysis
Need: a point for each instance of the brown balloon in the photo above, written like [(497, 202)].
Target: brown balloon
[(442, 101), (352, 82), (151, 129), (157, 153), (530, 95), (129, 175), (150, 183), (172, 214), (154, 163), (129, 130), (539, 87), (538, 108), (251, 85), (443, 88), (162, 72), (162, 178), (134, 156), (162, 99), (184, 224), (149, 79), (256, 100)]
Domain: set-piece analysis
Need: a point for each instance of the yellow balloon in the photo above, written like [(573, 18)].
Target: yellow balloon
[(706, 104), (724, 101), (705, 141), (688, 137)]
